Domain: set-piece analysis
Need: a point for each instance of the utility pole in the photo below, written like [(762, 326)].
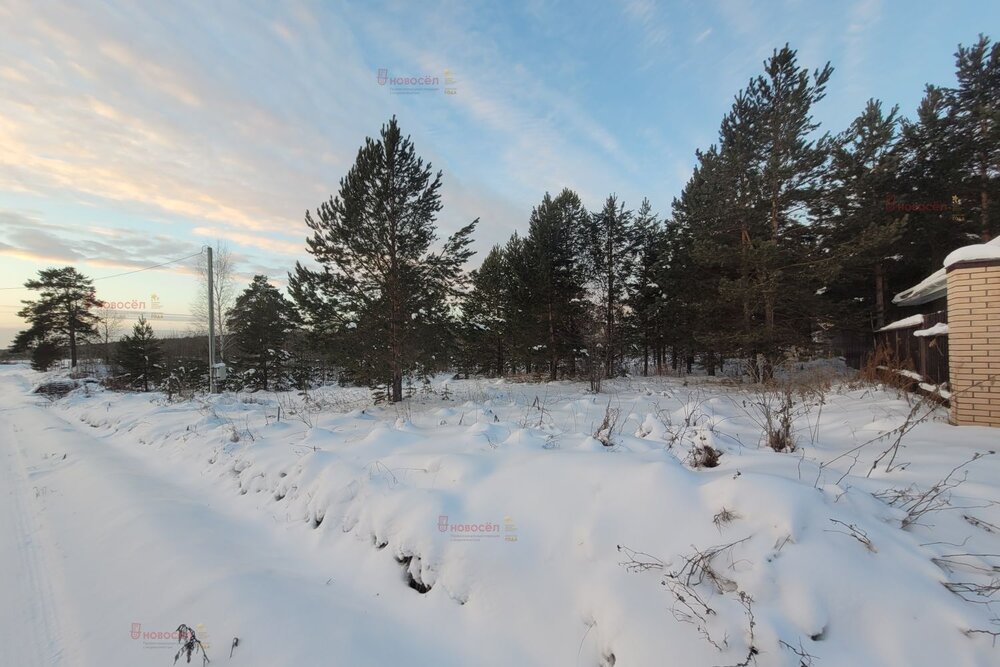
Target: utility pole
[(211, 325)]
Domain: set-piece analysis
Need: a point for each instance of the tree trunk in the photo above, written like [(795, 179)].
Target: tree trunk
[(984, 198), (610, 315), (499, 356), (745, 277), (769, 319), (767, 374), (396, 380), (879, 295), (553, 357), (72, 346), (984, 204)]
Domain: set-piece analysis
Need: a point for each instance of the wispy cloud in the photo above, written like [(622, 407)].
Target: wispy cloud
[(27, 235), (646, 14), (864, 16)]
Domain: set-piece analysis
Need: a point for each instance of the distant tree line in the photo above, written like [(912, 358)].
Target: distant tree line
[(782, 235)]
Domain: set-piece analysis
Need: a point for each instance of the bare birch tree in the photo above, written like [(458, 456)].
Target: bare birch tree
[(109, 328), (223, 285)]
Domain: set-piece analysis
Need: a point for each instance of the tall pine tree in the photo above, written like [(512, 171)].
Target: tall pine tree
[(612, 246), (930, 178), (976, 106), (861, 227), (706, 275), (62, 313), (381, 294), (644, 297), (486, 312), (523, 325), (789, 162), (556, 244)]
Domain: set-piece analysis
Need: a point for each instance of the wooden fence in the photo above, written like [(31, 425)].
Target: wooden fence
[(926, 355)]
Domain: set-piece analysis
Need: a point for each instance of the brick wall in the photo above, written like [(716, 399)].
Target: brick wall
[(974, 342)]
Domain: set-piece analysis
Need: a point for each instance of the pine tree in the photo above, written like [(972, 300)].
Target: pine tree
[(140, 356), (556, 246), (304, 366), (862, 229), (930, 178), (61, 315), (976, 113), (43, 355), (259, 324), (705, 273), (727, 228), (382, 297), (744, 220), (612, 247), (789, 164), (486, 312), (645, 296), (523, 327)]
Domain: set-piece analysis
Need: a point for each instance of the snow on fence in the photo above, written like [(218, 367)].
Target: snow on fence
[(920, 343)]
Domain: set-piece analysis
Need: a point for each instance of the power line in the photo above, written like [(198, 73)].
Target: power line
[(128, 273), (156, 266)]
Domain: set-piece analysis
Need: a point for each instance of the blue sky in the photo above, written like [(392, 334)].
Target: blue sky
[(134, 132)]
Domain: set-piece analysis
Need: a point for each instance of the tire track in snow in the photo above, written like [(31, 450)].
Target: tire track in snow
[(142, 541), (29, 618)]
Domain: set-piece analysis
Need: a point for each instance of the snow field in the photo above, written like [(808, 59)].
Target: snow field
[(825, 567)]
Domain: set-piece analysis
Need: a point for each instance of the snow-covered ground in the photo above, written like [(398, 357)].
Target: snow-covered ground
[(493, 528)]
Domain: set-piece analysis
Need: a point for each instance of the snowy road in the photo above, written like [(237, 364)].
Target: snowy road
[(29, 613), (103, 550)]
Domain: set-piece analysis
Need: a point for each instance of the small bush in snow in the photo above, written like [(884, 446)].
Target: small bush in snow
[(605, 431), (773, 408), (690, 605), (704, 456), (190, 645), (725, 516), (918, 502)]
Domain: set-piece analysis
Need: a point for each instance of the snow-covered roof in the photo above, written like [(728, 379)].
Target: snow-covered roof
[(939, 329), (935, 285), (930, 288), (971, 253), (905, 323)]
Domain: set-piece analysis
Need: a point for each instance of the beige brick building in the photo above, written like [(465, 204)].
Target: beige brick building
[(974, 341)]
